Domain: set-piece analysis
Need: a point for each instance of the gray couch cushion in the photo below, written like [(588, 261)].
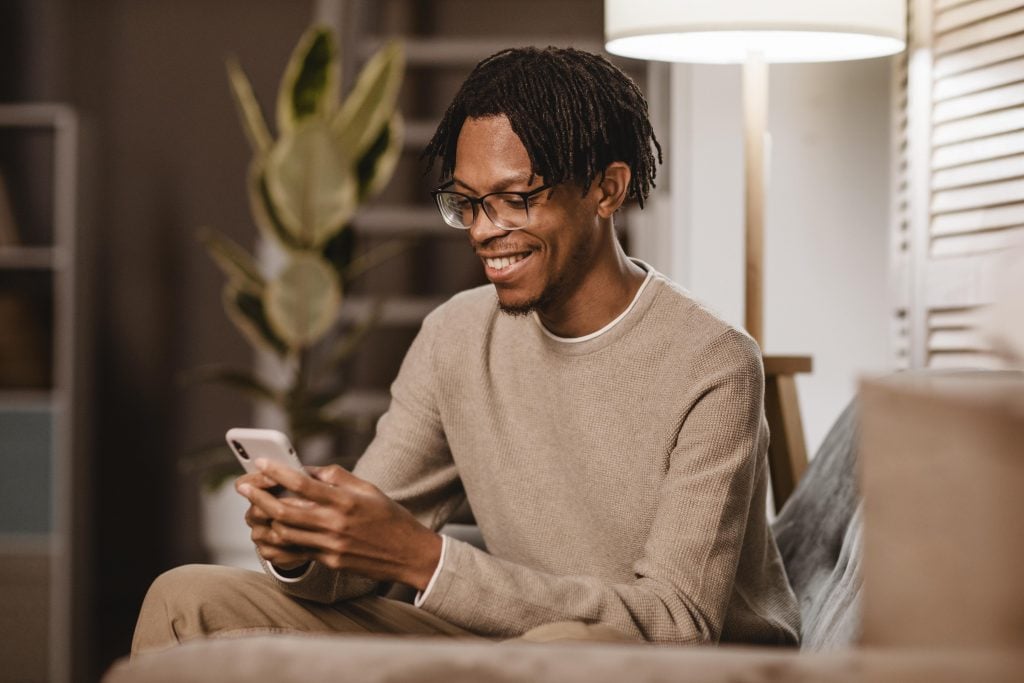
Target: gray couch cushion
[(819, 537)]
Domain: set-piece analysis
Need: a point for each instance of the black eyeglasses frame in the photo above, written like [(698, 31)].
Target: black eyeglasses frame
[(478, 202)]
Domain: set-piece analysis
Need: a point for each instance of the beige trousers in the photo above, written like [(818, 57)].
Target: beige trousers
[(204, 601)]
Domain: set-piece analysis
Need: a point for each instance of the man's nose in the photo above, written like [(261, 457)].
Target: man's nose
[(483, 228)]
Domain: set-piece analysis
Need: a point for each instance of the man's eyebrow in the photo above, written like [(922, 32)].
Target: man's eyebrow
[(456, 181), (501, 185)]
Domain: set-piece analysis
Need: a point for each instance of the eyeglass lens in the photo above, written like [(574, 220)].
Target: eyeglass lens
[(505, 210)]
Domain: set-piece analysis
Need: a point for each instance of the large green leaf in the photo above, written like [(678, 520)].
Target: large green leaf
[(253, 123), (309, 86), (311, 183), (245, 310), (237, 264), (378, 163), (263, 208), (302, 302), (369, 106)]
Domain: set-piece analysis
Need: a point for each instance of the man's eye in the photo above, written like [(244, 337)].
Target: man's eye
[(514, 202)]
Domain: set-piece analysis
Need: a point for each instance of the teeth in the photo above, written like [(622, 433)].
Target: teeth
[(503, 262)]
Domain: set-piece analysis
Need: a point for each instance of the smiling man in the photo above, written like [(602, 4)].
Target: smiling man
[(543, 251), (606, 429)]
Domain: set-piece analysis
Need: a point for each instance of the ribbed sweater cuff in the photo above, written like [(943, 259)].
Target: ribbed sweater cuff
[(293, 576), (436, 600), (422, 596)]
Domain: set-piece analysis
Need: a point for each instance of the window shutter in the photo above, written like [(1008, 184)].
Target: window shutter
[(961, 178)]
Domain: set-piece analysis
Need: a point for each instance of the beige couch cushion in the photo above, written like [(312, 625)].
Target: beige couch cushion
[(373, 659), (320, 659)]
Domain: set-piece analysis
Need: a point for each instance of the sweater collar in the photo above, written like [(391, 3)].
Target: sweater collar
[(615, 329)]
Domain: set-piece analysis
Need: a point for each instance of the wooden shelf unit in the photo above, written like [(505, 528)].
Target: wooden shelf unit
[(36, 548)]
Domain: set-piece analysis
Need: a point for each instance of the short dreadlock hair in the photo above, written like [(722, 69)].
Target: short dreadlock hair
[(575, 112)]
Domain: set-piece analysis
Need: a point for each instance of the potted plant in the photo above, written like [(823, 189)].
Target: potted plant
[(305, 185)]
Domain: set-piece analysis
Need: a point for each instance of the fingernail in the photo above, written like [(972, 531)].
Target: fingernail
[(261, 463), (245, 489)]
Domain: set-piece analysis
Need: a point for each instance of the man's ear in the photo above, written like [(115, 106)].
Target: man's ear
[(613, 188)]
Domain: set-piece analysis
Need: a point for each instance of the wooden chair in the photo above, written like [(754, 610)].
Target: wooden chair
[(787, 452)]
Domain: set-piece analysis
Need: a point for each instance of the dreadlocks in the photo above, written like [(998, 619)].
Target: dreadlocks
[(575, 113)]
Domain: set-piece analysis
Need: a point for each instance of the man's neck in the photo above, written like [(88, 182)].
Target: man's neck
[(599, 298)]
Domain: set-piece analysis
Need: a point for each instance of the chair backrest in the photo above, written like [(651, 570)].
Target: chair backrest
[(818, 533)]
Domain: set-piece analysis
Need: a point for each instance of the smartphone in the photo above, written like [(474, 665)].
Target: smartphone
[(249, 444)]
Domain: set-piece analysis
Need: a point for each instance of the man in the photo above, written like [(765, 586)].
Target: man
[(607, 430)]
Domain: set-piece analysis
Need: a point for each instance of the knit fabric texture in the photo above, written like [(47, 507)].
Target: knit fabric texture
[(620, 480)]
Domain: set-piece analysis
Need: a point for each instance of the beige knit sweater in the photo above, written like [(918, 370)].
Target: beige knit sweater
[(619, 480)]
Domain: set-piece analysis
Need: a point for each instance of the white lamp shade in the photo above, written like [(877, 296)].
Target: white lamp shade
[(728, 31)]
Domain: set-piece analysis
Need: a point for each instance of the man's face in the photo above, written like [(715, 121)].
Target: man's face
[(539, 266)]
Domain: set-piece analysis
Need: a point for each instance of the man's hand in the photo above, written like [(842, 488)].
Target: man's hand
[(281, 556), (340, 521)]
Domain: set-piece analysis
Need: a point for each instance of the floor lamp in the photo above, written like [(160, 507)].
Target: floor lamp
[(755, 33)]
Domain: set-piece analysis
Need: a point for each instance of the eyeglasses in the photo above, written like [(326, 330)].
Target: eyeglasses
[(507, 210)]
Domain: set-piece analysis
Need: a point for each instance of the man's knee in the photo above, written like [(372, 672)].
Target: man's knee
[(196, 600), (574, 631), (195, 585)]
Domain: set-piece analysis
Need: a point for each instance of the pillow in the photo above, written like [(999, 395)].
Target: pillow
[(819, 537)]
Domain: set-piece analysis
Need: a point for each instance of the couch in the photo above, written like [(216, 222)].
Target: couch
[(820, 531)]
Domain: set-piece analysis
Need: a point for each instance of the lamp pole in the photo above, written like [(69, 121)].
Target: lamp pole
[(755, 123), (787, 450)]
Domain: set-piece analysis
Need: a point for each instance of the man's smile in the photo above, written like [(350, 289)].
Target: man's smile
[(504, 266), (500, 262)]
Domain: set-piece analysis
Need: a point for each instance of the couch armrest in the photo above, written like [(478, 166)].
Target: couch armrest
[(371, 659), (374, 659)]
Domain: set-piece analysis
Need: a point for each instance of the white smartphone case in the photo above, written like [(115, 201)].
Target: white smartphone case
[(249, 444)]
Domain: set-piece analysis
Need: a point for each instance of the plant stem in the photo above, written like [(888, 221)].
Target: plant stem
[(298, 402)]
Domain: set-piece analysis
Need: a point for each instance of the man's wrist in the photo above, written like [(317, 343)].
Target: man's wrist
[(421, 595), (428, 561)]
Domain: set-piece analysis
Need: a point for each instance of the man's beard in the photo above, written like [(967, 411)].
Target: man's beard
[(550, 293), (555, 291)]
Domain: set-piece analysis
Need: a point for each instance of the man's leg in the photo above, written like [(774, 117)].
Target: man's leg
[(197, 601), (565, 631)]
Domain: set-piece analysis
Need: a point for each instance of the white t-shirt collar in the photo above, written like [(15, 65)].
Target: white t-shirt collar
[(613, 323)]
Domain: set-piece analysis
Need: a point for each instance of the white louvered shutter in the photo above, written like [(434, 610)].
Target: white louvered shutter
[(960, 177)]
